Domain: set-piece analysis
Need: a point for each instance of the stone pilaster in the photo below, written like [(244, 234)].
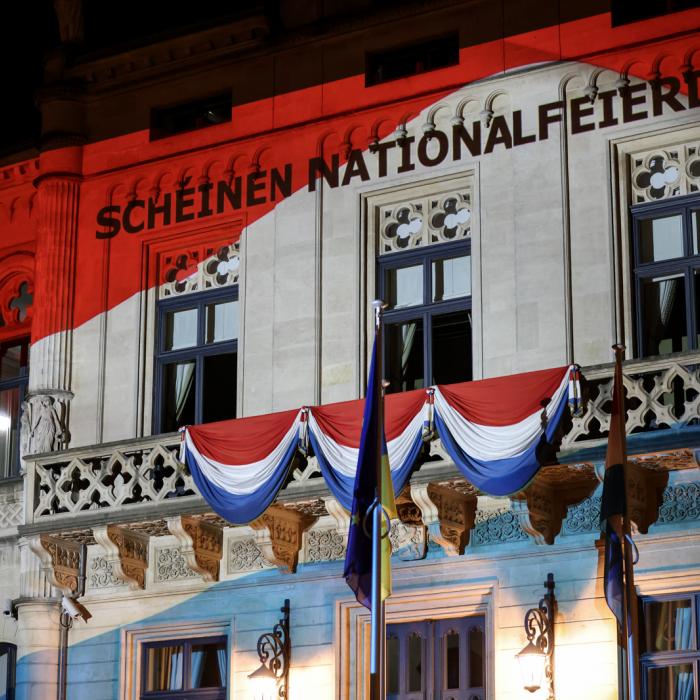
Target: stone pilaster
[(47, 406)]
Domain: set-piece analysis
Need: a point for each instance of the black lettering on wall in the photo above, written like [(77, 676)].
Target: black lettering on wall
[(184, 200), (106, 221), (154, 210), (406, 163), (226, 193), (205, 208), (319, 168), (498, 133), (460, 137), (629, 102), (254, 184), (424, 158), (281, 183), (355, 166), (381, 150), (518, 138), (545, 117), (659, 97), (129, 226), (578, 112), (609, 118)]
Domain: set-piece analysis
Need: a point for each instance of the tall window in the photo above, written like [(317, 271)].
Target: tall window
[(8, 658), (436, 659), (185, 669), (666, 268), (14, 371), (196, 361), (428, 323), (671, 652)]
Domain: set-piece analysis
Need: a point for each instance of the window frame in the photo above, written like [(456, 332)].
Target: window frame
[(664, 659), (196, 353), (425, 255), (11, 679), (185, 693), (686, 265), (21, 382)]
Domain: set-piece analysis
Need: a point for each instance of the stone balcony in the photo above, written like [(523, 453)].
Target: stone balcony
[(133, 502)]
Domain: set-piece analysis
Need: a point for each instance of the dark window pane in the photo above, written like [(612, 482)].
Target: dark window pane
[(415, 663), (14, 358), (452, 347), (221, 322), (451, 660), (661, 239), (392, 665), (476, 657), (664, 315), (180, 329), (452, 278), (405, 356), (7, 662), (695, 219), (178, 395), (670, 683), (404, 286), (219, 395), (164, 668), (9, 432), (669, 625), (208, 666)]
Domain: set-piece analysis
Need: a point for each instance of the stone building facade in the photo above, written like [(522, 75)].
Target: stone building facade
[(283, 173)]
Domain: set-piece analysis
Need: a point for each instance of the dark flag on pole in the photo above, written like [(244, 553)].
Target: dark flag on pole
[(358, 559), (612, 507)]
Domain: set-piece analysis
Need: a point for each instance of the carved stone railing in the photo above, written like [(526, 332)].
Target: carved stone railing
[(662, 393)]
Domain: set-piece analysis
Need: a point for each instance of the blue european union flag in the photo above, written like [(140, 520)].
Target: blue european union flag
[(358, 558)]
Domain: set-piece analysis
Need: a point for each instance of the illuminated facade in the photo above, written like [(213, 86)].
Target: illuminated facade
[(200, 237)]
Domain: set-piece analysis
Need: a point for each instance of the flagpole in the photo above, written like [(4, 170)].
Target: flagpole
[(377, 661), (630, 597)]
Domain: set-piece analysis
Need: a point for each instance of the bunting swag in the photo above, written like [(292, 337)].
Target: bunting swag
[(239, 465), (334, 433), (492, 428)]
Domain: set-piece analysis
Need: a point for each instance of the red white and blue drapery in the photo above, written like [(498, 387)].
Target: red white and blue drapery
[(493, 430)]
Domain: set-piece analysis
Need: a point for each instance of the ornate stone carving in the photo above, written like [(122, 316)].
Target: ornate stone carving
[(10, 514), (326, 544), (540, 511), (663, 173), (447, 514), (583, 517), (280, 535), (245, 555), (61, 560), (127, 552), (101, 574), (171, 565), (681, 503), (497, 526), (408, 542), (91, 479), (200, 268), (202, 544), (425, 220), (44, 424)]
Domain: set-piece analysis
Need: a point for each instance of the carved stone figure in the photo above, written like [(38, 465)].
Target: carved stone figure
[(47, 430), (25, 430)]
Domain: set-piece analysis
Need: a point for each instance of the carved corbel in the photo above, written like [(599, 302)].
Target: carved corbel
[(202, 544), (447, 514), (280, 533), (540, 511), (645, 493), (60, 560), (127, 551)]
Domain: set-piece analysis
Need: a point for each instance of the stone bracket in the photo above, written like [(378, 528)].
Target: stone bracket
[(447, 513), (202, 544), (61, 561), (127, 551), (409, 535), (645, 493), (280, 535)]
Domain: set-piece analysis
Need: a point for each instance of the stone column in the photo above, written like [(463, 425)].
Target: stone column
[(37, 649), (47, 405)]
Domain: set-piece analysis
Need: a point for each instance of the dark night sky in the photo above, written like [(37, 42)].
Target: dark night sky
[(29, 29)]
